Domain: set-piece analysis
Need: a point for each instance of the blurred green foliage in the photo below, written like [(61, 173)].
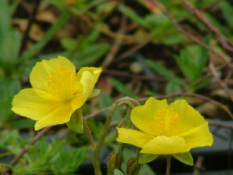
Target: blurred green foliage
[(53, 157)]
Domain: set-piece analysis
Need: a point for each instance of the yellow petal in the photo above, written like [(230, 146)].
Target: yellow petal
[(77, 101), (88, 77), (58, 116), (165, 145), (34, 104), (133, 137), (42, 70), (143, 116), (198, 137), (189, 118)]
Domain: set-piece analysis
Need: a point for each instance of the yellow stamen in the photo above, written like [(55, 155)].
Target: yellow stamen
[(165, 121), (62, 82)]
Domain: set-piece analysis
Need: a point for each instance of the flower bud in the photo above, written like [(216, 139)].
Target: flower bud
[(114, 162), (133, 167)]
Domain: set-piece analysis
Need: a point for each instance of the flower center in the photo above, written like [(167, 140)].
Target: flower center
[(165, 122), (62, 82)]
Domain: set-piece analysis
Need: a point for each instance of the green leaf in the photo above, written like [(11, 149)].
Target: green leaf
[(192, 60), (22, 123), (8, 89), (5, 22), (104, 101), (145, 158), (76, 121), (58, 3), (68, 43), (132, 15), (173, 39), (164, 72), (120, 87), (185, 158), (9, 49), (227, 11), (173, 88), (90, 54), (201, 84)]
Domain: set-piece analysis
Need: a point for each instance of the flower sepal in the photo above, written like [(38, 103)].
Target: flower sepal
[(76, 121), (185, 158), (145, 158), (94, 93)]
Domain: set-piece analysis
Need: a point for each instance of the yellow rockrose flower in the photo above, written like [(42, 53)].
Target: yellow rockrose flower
[(57, 91), (166, 129)]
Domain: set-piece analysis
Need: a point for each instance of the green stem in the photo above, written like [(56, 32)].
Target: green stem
[(88, 133), (168, 165), (124, 101)]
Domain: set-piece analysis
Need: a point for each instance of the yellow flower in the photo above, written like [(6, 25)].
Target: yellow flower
[(57, 91), (166, 129)]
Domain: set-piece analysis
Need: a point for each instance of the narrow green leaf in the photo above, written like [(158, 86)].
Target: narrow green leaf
[(120, 87), (185, 158), (164, 72), (185, 63), (5, 22), (58, 3), (132, 15), (104, 101), (10, 49), (90, 54), (68, 43), (227, 11), (173, 88), (173, 39), (22, 123)]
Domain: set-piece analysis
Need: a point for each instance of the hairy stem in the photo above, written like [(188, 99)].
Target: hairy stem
[(124, 101), (89, 133)]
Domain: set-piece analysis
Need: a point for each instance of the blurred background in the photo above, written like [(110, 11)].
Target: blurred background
[(167, 49)]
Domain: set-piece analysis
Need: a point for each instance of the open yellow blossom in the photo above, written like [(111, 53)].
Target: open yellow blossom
[(166, 129), (57, 91)]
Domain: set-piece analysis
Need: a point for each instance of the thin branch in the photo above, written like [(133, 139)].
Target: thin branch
[(131, 51), (211, 122), (128, 75), (225, 42), (116, 45), (31, 21), (222, 84)]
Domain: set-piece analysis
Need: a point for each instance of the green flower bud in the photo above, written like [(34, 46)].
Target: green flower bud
[(114, 162), (133, 167)]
